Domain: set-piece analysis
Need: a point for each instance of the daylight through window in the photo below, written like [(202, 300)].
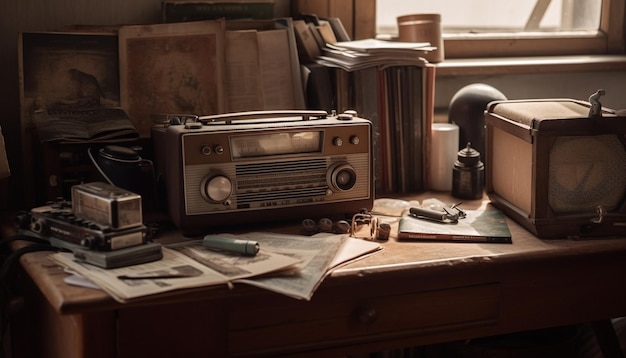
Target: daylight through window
[(522, 27)]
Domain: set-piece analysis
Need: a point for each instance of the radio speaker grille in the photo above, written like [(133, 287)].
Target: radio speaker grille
[(281, 180), (280, 183), (279, 167), (585, 172)]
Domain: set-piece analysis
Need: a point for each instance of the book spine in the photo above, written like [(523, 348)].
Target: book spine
[(491, 239), (417, 236), (452, 238), (428, 114), (197, 11)]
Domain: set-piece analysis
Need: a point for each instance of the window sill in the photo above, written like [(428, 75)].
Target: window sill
[(530, 65)]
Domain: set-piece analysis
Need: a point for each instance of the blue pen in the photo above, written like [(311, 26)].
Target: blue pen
[(237, 246)]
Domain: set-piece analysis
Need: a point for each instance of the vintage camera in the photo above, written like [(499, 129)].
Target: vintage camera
[(100, 217), (265, 166), (107, 205)]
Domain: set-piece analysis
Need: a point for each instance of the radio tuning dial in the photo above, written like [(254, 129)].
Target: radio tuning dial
[(341, 176), (216, 188)]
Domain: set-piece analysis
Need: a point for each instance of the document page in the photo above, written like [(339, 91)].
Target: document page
[(186, 265), (316, 254), (293, 265)]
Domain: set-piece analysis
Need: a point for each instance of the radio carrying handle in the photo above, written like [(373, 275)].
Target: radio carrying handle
[(228, 118)]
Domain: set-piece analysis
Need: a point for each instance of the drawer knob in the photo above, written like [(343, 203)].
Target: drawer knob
[(367, 315)]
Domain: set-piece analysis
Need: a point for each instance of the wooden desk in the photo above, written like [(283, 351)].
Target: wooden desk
[(409, 294)]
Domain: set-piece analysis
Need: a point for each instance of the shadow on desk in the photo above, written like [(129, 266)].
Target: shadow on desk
[(577, 341), (409, 295)]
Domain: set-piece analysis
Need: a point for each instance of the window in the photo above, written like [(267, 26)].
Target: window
[(487, 28)]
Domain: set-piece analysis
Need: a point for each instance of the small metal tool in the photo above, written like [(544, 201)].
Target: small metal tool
[(445, 216)]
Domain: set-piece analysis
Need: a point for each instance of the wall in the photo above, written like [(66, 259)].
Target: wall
[(50, 15), (577, 85)]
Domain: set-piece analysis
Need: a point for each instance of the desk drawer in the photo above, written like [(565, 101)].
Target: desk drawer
[(308, 325)]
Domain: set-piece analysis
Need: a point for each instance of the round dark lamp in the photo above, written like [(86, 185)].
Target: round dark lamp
[(467, 110)]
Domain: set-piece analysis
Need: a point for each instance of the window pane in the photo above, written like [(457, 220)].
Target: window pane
[(480, 16)]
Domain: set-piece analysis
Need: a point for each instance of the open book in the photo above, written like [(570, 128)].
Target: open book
[(84, 125)]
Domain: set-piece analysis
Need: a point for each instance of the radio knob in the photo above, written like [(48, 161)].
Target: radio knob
[(193, 125), (206, 150), (219, 149), (217, 188), (89, 241), (39, 226), (341, 177), (337, 141), (355, 140)]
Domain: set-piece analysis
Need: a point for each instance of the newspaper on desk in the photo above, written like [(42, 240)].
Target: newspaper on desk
[(297, 265), (187, 266), (317, 253)]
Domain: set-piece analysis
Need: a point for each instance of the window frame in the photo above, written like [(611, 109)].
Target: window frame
[(609, 39)]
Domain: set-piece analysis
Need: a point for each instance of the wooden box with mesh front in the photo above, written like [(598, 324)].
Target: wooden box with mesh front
[(556, 168)]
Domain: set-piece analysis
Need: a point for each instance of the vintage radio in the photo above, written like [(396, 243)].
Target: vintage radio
[(253, 167), (558, 166)]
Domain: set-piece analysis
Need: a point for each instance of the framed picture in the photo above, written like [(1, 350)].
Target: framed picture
[(67, 71), (171, 68)]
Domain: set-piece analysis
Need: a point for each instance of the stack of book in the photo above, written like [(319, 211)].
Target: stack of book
[(391, 84), (182, 11), (366, 53)]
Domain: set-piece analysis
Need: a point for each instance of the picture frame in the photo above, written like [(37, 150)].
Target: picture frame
[(171, 68)]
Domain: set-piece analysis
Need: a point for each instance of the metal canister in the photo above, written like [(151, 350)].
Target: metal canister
[(468, 174)]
